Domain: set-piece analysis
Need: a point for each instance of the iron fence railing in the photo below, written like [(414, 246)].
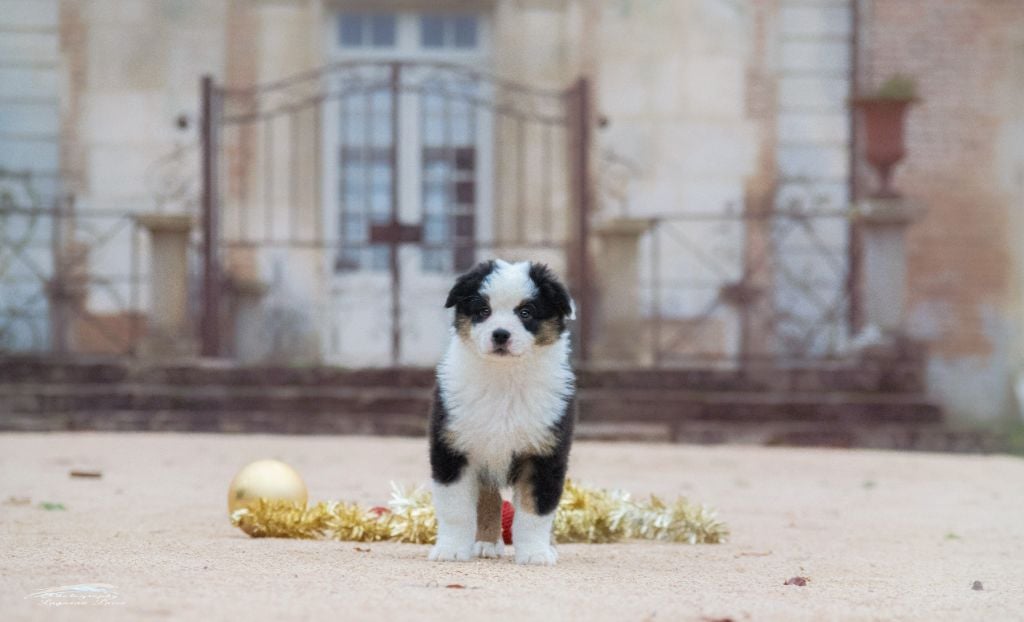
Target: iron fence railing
[(727, 285), (739, 286), (71, 279), (362, 161)]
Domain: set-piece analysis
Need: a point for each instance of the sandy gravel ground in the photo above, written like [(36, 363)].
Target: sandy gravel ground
[(880, 535)]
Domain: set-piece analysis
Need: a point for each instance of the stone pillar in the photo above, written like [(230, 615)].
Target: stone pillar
[(245, 304), (67, 292), (620, 333), (883, 225), (168, 332)]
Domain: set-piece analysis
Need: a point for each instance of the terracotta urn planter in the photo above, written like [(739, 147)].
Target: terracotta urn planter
[(883, 130)]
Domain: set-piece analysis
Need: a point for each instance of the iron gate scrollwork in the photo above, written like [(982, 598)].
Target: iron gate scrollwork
[(357, 161), (742, 287), (70, 277)]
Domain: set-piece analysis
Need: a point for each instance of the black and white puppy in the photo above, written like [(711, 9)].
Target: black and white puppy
[(503, 412)]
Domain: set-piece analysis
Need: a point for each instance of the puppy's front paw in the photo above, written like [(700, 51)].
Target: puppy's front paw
[(450, 553), (540, 556), (489, 549)]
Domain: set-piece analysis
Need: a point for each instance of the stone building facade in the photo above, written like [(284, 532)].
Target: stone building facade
[(705, 115), (966, 166)]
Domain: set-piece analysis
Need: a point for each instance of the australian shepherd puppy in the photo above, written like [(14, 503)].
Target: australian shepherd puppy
[(503, 412)]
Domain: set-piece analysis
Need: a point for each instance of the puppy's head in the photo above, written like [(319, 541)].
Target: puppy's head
[(509, 310)]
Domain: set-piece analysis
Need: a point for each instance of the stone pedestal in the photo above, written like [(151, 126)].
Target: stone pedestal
[(168, 333), (883, 226), (245, 300), (67, 292), (620, 333)]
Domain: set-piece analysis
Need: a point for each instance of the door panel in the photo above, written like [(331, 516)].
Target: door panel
[(434, 173)]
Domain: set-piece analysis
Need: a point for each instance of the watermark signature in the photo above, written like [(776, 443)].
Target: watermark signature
[(81, 595)]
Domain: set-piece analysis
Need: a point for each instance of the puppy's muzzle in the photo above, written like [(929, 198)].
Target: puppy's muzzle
[(499, 340)]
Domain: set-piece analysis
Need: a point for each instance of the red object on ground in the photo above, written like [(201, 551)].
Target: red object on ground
[(507, 512), (379, 510)]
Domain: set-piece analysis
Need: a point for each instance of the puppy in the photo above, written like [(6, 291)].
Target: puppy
[(503, 412)]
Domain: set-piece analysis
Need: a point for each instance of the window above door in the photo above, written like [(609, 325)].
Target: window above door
[(415, 34), (363, 30)]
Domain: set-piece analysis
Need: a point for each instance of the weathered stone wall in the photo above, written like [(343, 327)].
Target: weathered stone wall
[(30, 158), (131, 73), (704, 104), (813, 164), (965, 143)]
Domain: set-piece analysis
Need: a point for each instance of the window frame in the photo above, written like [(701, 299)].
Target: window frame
[(409, 171), (407, 39)]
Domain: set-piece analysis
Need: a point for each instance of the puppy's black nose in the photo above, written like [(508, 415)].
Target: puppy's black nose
[(500, 336)]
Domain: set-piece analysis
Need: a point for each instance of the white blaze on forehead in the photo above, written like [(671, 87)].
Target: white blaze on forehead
[(508, 284)]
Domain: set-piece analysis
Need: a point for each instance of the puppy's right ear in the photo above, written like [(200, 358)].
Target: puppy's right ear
[(469, 283)]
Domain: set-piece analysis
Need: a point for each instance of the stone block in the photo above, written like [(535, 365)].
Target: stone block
[(36, 155), (119, 172), (29, 13), (825, 57), (813, 93), (812, 162), (40, 119), (809, 20), (714, 87), (814, 129), (126, 117), (29, 82), (30, 47)]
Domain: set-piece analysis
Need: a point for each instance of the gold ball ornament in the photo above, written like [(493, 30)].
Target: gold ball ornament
[(270, 479)]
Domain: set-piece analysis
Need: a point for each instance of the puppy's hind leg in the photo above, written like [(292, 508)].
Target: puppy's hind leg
[(488, 523)]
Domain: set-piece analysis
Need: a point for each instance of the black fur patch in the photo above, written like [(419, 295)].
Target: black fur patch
[(446, 464), (548, 470), (468, 285), (550, 290), (549, 308), (470, 306)]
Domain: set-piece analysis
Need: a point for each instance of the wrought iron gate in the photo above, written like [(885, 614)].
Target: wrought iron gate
[(356, 163), (70, 277)]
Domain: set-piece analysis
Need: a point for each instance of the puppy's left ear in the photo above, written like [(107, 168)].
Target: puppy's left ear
[(553, 291)]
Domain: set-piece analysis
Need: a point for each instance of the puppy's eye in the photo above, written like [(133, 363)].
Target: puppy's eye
[(483, 312), (526, 313)]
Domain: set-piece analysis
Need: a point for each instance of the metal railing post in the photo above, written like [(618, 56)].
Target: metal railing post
[(395, 250), (584, 288), (210, 319)]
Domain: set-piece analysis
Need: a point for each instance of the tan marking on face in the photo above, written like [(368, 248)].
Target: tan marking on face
[(523, 489), (488, 515), (463, 326), (547, 333)]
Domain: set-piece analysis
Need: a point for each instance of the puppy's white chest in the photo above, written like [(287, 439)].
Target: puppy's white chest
[(493, 416), (491, 428)]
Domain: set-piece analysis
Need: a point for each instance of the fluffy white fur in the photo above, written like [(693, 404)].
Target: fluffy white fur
[(498, 406), (491, 550), (531, 535), (456, 520)]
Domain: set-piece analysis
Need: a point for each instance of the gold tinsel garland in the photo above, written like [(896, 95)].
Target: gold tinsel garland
[(584, 515)]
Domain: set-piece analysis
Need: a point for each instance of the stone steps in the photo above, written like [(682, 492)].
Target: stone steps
[(828, 404), (884, 375), (595, 404), (139, 397)]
